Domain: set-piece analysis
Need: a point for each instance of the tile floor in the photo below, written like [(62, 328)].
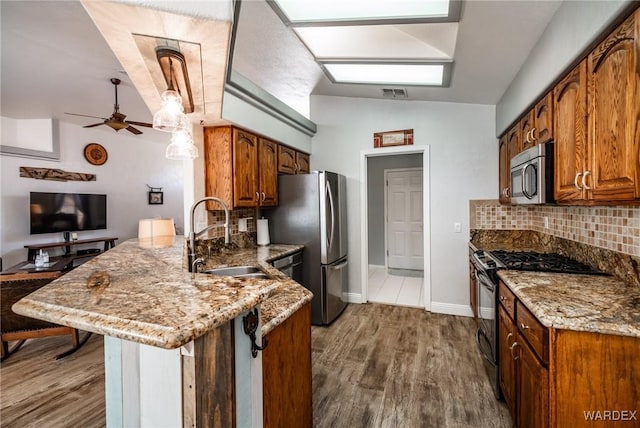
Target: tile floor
[(393, 289)]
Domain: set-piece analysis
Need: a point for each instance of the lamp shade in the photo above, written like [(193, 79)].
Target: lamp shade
[(156, 232)]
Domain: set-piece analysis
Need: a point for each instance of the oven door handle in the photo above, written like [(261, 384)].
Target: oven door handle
[(485, 281), (479, 333)]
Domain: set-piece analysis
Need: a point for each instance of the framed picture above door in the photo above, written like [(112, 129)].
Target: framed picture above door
[(402, 137)]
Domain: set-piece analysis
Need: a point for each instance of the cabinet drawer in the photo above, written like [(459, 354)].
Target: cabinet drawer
[(536, 334), (507, 299)]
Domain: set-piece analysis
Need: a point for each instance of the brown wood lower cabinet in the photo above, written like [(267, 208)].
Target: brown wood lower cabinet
[(286, 373), (565, 378)]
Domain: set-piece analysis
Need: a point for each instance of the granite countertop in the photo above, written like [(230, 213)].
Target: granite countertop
[(596, 303), (151, 299), (288, 296)]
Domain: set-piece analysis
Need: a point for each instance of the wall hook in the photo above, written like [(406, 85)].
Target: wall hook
[(250, 324)]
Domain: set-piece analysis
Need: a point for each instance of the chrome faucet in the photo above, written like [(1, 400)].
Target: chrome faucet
[(193, 235)]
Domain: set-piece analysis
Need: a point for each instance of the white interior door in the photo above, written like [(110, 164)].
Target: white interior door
[(404, 219)]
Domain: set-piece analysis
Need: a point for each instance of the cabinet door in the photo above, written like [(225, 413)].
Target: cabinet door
[(514, 142), (526, 125), (507, 364), (543, 120), (268, 165), (286, 160), (533, 389), (302, 163), (473, 291), (614, 121), (218, 165), (245, 174), (570, 120), (503, 170), (286, 373)]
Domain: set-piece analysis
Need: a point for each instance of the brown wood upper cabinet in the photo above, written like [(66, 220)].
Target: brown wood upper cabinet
[(597, 131), (503, 165), (570, 107), (240, 168), (509, 145), (291, 161), (537, 126), (268, 172), (614, 115)]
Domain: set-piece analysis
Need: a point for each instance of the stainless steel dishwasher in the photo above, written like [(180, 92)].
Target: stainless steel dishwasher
[(290, 265)]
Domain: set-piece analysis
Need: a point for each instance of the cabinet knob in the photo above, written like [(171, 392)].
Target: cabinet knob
[(502, 298), (575, 181), (263, 196), (533, 135), (584, 180), (295, 167), (523, 326), (257, 197)]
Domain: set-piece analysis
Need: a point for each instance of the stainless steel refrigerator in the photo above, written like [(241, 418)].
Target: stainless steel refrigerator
[(312, 211)]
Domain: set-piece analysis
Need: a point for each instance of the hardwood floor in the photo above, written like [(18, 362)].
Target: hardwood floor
[(391, 366), (376, 366), (39, 391)]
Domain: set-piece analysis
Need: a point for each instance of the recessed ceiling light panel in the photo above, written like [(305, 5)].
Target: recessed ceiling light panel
[(388, 74), (354, 12)]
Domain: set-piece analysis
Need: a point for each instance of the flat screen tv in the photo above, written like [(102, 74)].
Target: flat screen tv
[(67, 212)]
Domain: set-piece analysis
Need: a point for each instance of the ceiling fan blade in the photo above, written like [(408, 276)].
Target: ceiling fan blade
[(133, 130), (95, 124), (148, 125), (85, 115)]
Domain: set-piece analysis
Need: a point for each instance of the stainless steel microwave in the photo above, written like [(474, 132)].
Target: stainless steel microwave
[(532, 175)]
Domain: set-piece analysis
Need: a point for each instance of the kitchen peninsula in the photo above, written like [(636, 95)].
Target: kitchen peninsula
[(174, 353)]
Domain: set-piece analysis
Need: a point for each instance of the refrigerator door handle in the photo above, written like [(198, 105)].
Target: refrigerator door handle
[(332, 216), (340, 266)]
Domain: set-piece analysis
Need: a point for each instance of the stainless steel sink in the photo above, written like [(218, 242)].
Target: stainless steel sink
[(238, 272)]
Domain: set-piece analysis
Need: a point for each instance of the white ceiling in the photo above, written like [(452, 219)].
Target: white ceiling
[(54, 59)]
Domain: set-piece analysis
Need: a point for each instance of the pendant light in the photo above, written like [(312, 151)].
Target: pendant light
[(171, 112), (182, 146)]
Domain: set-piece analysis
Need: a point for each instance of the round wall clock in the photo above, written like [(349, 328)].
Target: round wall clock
[(95, 154)]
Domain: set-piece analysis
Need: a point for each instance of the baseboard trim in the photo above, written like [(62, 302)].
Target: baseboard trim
[(352, 297), (451, 309), (377, 266)]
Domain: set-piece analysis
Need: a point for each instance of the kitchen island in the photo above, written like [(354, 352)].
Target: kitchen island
[(175, 349)]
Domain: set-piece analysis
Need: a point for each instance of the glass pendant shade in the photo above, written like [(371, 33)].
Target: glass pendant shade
[(170, 115), (181, 147)]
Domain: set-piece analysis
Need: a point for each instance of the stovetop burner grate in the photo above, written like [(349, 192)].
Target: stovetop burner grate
[(542, 262)]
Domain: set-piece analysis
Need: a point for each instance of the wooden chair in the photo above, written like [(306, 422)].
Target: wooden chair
[(14, 327)]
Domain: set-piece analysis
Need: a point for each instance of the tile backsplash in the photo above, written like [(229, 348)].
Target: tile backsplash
[(217, 217), (614, 228)]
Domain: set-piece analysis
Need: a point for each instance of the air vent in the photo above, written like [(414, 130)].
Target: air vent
[(394, 93)]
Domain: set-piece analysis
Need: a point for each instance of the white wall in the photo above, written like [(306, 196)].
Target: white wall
[(575, 25), (464, 165), (133, 162), (253, 119)]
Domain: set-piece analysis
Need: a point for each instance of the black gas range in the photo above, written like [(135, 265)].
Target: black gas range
[(488, 264), (491, 261)]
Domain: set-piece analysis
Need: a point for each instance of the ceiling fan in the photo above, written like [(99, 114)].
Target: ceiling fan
[(116, 121)]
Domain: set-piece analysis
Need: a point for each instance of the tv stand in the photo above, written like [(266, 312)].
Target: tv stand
[(32, 250)]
